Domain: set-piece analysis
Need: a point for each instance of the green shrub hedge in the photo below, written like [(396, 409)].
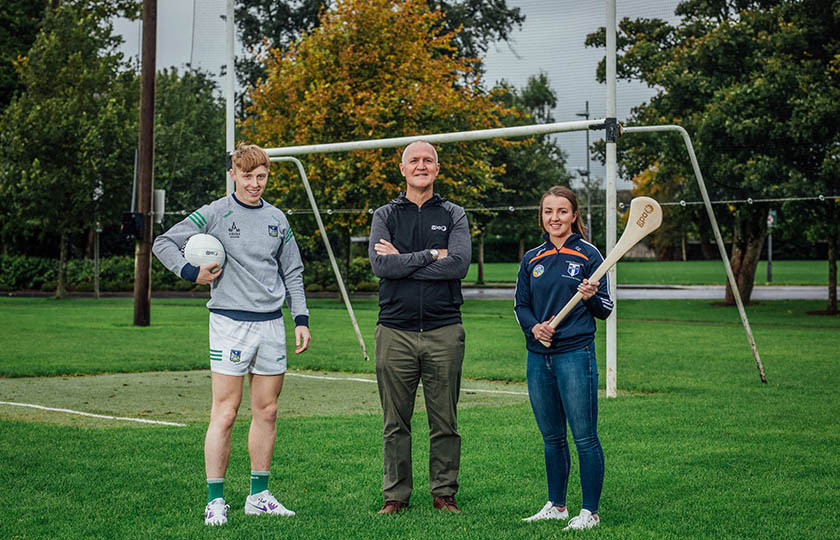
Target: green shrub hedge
[(117, 274)]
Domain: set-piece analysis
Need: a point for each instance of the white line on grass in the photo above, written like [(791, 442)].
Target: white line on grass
[(357, 379), (164, 423), (93, 415)]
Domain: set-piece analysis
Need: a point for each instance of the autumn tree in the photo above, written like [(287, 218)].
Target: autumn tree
[(276, 24), (755, 83), (372, 69)]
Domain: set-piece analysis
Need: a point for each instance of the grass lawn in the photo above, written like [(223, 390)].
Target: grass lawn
[(681, 273), (695, 446)]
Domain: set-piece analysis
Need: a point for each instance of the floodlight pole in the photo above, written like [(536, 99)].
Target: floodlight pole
[(587, 184), (333, 262), (611, 137), (718, 238), (230, 115)]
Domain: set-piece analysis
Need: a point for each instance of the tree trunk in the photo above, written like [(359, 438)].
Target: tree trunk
[(707, 245), (91, 240), (347, 260), (480, 279), (521, 247), (746, 251), (833, 229), (61, 287)]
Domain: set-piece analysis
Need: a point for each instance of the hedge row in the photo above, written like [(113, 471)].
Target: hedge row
[(117, 274)]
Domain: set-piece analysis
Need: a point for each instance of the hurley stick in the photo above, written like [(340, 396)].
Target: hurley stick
[(645, 217)]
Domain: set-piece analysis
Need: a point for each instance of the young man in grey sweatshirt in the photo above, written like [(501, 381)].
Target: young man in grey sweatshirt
[(262, 269)]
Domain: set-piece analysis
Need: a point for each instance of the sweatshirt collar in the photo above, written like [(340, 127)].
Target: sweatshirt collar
[(243, 205)]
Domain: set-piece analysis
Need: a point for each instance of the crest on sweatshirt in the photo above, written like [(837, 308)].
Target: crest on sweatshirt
[(538, 270), (574, 269), (272, 230)]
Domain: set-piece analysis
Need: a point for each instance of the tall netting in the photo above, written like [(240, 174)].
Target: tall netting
[(208, 46), (552, 40)]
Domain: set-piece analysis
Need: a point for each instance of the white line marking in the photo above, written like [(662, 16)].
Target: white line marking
[(327, 378), (164, 423), (141, 420)]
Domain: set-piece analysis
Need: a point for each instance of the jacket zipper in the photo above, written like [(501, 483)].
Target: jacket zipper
[(420, 222)]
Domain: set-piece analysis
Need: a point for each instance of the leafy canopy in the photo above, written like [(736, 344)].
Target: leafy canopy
[(372, 69), (756, 84), (276, 24)]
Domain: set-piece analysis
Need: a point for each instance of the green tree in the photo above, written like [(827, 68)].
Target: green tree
[(189, 140), (749, 80), (531, 165), (372, 69), (19, 24), (66, 144), (276, 24)]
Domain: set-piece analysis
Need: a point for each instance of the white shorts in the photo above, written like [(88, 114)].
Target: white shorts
[(242, 347)]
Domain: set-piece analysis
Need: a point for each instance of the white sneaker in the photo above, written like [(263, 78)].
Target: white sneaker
[(549, 511), (584, 520), (265, 503), (215, 513)]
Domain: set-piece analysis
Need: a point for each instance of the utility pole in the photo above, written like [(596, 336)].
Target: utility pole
[(145, 169), (587, 184)]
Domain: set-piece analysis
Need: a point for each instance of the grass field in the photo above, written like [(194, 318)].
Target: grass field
[(681, 273), (695, 446)]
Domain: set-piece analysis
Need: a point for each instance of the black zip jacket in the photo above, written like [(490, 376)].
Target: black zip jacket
[(416, 292)]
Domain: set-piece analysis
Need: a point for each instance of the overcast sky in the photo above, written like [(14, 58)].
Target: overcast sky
[(550, 40)]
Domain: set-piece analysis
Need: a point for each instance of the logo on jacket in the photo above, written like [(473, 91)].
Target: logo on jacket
[(574, 269), (233, 230), (272, 230), (235, 355), (538, 270), (439, 228)]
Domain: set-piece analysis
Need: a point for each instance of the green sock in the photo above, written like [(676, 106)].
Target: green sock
[(215, 488), (259, 481)]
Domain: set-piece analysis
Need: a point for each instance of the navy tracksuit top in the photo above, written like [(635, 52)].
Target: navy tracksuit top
[(548, 278)]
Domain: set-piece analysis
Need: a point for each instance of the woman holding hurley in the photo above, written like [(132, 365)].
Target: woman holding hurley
[(563, 378)]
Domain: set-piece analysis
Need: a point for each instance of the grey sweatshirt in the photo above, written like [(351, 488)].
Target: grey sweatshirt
[(262, 266)]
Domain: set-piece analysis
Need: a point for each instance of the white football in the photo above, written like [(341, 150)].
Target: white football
[(204, 248)]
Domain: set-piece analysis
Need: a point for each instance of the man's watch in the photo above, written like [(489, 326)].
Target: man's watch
[(434, 253)]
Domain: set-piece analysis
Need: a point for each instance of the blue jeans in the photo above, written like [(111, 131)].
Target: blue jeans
[(565, 387)]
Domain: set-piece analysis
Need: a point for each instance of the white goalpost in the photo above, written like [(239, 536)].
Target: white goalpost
[(609, 124), (286, 153)]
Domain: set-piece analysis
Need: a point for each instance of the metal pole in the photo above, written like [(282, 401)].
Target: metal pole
[(333, 262), (587, 184), (145, 169), (770, 256), (230, 114), (610, 187), (721, 247), (461, 136), (771, 218), (96, 260)]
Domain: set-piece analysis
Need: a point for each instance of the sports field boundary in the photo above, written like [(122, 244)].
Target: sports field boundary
[(92, 415)]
